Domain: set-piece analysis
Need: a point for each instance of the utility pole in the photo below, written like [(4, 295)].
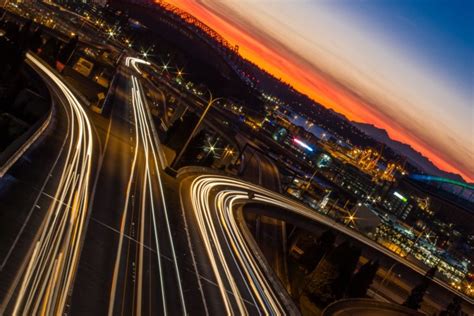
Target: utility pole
[(310, 179), (196, 128)]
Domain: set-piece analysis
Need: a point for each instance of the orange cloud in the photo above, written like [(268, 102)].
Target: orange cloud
[(315, 85)]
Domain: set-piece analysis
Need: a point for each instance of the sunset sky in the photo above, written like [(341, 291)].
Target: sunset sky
[(402, 65)]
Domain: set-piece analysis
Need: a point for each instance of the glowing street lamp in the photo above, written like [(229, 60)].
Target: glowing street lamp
[(180, 72), (196, 128), (351, 218)]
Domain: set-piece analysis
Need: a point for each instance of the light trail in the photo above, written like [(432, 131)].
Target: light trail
[(214, 200), (52, 263), (154, 162), (251, 274), (132, 61)]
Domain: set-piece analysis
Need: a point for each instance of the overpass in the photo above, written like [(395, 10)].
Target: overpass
[(429, 179), (213, 205)]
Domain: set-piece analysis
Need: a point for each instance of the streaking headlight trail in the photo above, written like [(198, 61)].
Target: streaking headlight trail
[(215, 201), (51, 266), (147, 146)]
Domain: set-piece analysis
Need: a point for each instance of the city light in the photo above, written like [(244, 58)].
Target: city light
[(401, 197), (174, 197), (303, 144)]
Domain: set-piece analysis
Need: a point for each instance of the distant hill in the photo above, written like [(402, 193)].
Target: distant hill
[(413, 156), (365, 135)]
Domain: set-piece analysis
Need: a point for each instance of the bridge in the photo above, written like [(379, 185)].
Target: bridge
[(430, 179)]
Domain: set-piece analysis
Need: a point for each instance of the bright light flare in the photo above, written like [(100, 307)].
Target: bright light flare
[(303, 144)]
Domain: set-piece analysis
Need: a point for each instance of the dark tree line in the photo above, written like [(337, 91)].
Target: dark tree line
[(16, 41), (177, 135), (333, 268)]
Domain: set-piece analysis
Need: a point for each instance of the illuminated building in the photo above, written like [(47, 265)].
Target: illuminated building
[(350, 178), (280, 134), (399, 204), (323, 161)]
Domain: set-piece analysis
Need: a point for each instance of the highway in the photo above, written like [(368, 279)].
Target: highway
[(129, 264), (213, 203), (45, 275), (150, 183), (270, 233), (127, 248)]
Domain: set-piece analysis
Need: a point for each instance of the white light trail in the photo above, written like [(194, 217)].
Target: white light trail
[(133, 62), (51, 267), (214, 201), (303, 144), (154, 163)]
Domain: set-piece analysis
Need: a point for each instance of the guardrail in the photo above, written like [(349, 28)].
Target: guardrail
[(19, 146), (277, 285)]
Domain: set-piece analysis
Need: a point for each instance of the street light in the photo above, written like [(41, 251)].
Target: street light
[(196, 128)]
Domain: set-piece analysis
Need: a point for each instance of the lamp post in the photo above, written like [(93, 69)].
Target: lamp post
[(196, 128), (310, 179)]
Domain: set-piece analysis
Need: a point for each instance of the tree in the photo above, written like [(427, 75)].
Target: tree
[(36, 41), (332, 275), (314, 253), (50, 50), (195, 147), (347, 265), (362, 280), (12, 31), (207, 161), (24, 37), (68, 49), (454, 308), (180, 131), (415, 298)]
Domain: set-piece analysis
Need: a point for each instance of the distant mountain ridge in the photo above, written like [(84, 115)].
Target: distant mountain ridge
[(264, 81), (414, 157)]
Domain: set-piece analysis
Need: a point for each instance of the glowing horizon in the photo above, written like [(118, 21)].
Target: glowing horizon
[(267, 51)]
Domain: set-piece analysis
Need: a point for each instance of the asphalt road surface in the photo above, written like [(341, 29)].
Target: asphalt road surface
[(129, 264), (42, 254)]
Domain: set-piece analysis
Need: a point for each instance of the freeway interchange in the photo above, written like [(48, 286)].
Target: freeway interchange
[(114, 234)]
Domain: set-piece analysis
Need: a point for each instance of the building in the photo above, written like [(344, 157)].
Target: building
[(399, 204), (351, 179)]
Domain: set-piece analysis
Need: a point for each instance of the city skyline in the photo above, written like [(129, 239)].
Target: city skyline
[(401, 67), (143, 172)]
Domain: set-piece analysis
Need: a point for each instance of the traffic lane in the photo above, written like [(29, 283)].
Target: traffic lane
[(65, 103), (153, 273), (126, 299), (260, 170), (97, 260), (252, 170), (268, 232), (272, 176), (97, 265), (215, 200), (210, 291), (281, 207), (26, 191), (199, 278)]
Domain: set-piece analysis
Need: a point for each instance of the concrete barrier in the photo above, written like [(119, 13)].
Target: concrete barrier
[(19, 146)]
